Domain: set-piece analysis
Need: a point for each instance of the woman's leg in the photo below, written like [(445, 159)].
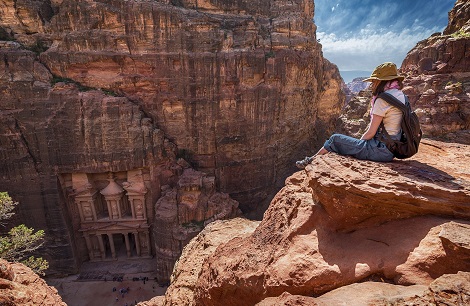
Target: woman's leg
[(371, 149), (346, 145)]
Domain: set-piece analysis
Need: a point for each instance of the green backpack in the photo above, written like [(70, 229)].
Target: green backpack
[(411, 133)]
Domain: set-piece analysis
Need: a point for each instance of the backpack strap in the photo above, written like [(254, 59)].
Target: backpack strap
[(390, 99), (382, 132)]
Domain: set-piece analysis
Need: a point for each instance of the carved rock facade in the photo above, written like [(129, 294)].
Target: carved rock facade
[(111, 93)]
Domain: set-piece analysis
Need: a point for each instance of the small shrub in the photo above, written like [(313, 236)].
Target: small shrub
[(39, 47), (58, 79), (460, 34), (184, 154), (269, 54)]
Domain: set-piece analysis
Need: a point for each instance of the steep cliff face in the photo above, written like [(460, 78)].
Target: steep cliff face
[(438, 78), (231, 84), (113, 92)]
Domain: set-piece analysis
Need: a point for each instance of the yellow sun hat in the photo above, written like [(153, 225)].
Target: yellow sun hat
[(385, 72)]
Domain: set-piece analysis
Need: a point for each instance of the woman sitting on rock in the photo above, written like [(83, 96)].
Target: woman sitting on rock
[(385, 78)]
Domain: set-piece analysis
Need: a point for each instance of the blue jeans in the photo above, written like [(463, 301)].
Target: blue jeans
[(371, 149)]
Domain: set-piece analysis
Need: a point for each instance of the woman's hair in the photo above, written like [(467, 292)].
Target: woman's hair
[(381, 87)]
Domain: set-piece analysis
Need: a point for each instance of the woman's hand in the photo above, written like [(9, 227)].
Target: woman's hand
[(373, 126)]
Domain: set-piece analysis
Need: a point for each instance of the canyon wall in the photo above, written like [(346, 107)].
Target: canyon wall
[(347, 231), (110, 93), (437, 79)]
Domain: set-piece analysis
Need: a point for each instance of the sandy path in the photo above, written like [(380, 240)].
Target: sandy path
[(94, 285), (100, 293)]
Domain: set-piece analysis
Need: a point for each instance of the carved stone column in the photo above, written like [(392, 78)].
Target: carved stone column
[(89, 246), (128, 247), (84, 198), (136, 193), (147, 243), (102, 248), (111, 245), (137, 243)]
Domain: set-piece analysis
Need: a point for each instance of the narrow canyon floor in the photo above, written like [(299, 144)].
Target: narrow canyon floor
[(100, 283)]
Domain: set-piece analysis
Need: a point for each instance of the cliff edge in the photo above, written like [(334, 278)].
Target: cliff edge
[(399, 227)]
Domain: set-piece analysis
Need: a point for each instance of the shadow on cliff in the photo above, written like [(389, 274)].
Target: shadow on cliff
[(419, 171), (378, 252)]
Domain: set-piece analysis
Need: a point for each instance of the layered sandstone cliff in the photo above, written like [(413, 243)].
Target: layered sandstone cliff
[(111, 93), (438, 78)]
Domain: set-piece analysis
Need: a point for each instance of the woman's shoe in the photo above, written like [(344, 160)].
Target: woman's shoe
[(301, 164)]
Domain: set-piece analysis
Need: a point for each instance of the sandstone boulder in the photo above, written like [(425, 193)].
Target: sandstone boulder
[(188, 267), (449, 289), (21, 286), (343, 221)]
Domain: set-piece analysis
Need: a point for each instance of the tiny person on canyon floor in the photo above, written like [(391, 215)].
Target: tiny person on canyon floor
[(385, 78)]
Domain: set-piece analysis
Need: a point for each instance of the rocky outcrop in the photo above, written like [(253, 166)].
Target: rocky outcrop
[(183, 211), (355, 116), (188, 267), (21, 286), (438, 77), (102, 88), (319, 231), (357, 85), (449, 289), (458, 18)]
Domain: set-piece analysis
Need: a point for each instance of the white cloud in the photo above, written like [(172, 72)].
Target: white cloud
[(370, 47)]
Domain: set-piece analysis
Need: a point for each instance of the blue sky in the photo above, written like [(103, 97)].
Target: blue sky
[(361, 34)]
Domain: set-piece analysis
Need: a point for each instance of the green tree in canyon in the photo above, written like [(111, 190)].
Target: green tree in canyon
[(20, 241)]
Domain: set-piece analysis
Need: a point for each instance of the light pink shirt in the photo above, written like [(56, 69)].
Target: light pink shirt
[(392, 115)]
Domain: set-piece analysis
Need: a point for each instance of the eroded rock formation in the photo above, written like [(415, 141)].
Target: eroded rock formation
[(21, 286), (357, 85), (355, 116), (183, 211), (343, 221), (450, 289), (113, 92), (438, 78)]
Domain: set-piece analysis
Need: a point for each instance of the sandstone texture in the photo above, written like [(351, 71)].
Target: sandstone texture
[(118, 92), (21, 286), (355, 117), (183, 211), (449, 289), (343, 221), (438, 78)]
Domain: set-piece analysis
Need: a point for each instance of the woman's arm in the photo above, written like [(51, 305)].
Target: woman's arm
[(373, 126)]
